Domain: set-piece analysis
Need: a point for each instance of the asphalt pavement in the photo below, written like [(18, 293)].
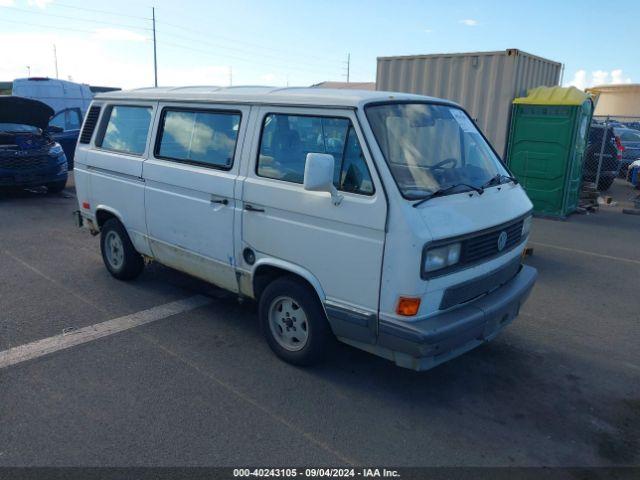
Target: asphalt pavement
[(560, 387)]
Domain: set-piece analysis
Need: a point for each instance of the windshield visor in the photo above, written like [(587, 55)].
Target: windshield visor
[(431, 147)]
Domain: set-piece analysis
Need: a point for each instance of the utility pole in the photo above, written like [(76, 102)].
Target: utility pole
[(155, 58), (230, 76), (55, 59), (347, 67), (28, 71)]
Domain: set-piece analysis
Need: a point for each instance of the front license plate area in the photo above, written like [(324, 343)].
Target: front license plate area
[(500, 318)]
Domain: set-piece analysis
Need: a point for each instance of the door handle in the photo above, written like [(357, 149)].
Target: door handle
[(251, 208), (222, 201)]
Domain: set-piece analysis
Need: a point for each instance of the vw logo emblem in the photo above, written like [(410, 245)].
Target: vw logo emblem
[(502, 241)]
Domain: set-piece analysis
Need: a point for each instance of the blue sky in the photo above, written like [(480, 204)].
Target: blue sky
[(302, 42)]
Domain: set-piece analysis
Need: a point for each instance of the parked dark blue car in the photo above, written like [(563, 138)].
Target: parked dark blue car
[(29, 155), (65, 129)]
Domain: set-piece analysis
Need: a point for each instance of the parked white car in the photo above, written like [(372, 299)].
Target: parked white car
[(383, 219)]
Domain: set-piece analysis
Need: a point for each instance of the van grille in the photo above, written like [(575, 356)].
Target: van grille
[(479, 286), (90, 124), (486, 244), (24, 163)]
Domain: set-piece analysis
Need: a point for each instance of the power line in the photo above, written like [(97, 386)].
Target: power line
[(241, 59), (280, 62), (102, 22), (217, 45), (47, 26), (106, 12), (287, 51)]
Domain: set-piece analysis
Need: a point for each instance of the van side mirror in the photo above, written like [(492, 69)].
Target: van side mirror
[(318, 175)]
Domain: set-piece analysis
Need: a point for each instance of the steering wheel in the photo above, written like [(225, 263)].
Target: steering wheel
[(440, 165)]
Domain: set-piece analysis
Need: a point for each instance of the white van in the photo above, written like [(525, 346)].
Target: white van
[(383, 219), (58, 94)]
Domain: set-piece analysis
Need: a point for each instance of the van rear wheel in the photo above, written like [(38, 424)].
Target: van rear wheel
[(293, 321), (118, 254)]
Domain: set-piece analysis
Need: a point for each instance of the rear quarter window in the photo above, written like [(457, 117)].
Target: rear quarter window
[(126, 129)]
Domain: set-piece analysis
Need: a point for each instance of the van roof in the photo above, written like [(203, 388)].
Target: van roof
[(266, 95)]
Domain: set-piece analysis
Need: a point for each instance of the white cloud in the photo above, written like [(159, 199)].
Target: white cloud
[(98, 59), (469, 22), (6, 3), (618, 77), (39, 3), (118, 34), (85, 59), (583, 80), (579, 80), (428, 30), (599, 77)]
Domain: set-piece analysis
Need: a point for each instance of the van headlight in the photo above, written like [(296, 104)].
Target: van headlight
[(526, 226), (437, 258)]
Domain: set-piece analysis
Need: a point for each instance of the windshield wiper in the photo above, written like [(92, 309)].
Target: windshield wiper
[(443, 191), (497, 180)]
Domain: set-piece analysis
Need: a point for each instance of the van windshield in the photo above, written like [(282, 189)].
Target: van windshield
[(430, 148)]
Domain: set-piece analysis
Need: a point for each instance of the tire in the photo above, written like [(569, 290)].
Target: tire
[(282, 323), (118, 254), (605, 183), (56, 187)]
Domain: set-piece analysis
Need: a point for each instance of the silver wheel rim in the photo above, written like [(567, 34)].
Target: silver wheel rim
[(114, 250), (288, 323)]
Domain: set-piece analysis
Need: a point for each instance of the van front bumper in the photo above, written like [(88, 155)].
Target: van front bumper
[(423, 344)]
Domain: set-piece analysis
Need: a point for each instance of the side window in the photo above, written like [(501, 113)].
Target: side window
[(74, 119), (197, 136), (354, 175), (58, 120), (286, 140), (127, 129)]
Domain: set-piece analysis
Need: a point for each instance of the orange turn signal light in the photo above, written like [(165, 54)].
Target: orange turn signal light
[(408, 306)]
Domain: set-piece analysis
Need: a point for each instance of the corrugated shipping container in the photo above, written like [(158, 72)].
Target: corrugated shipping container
[(484, 83)]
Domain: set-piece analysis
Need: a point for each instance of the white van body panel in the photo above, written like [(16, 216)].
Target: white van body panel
[(116, 183), (342, 245), (294, 269), (188, 226), (58, 94), (439, 219)]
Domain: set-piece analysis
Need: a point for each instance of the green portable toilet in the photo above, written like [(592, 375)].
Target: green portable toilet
[(547, 140)]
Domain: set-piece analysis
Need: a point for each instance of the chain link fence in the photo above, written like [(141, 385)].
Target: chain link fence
[(613, 144)]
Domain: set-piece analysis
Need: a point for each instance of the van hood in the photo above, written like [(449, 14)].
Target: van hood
[(468, 212), (25, 111)]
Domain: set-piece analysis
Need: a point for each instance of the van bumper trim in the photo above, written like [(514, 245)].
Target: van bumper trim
[(425, 343), (352, 323)]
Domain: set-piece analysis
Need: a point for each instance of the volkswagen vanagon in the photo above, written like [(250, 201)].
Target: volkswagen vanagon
[(383, 219)]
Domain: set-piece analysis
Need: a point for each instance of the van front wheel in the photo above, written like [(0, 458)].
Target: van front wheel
[(118, 253), (293, 322)]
